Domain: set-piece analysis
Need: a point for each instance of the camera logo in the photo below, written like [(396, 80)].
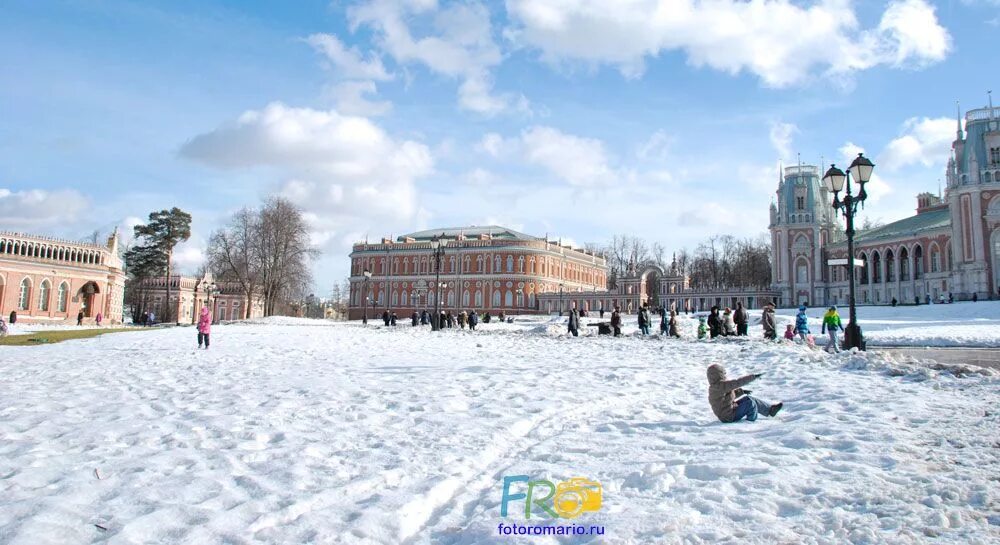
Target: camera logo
[(567, 499)]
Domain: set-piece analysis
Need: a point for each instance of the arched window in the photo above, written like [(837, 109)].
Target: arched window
[(25, 296), (864, 268), (402, 298), (935, 259), (509, 299), (44, 290), (395, 298), (876, 268), (531, 300), (451, 298), (890, 266), (904, 264), (496, 297), (802, 272), (918, 262), (479, 298), (520, 264), (61, 297), (496, 264), (465, 298), (510, 263), (451, 263)]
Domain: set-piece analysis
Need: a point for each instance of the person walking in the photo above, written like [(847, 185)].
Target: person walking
[(574, 320), (831, 324), (79, 318), (473, 320), (767, 322), (204, 326), (714, 323), (463, 318), (602, 312), (414, 319), (672, 325), (385, 318), (802, 323), (616, 321), (741, 319)]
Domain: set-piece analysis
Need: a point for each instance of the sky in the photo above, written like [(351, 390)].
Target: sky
[(576, 119)]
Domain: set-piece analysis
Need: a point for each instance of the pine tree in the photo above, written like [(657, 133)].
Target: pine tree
[(165, 230)]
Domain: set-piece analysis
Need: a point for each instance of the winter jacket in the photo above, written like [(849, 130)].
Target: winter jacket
[(721, 394), (727, 321), (574, 320), (801, 322), (740, 316), (702, 329), (205, 321), (616, 319), (714, 325), (473, 318), (673, 327), (767, 322), (831, 320)]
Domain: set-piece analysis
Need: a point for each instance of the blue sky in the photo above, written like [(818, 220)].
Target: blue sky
[(577, 118)]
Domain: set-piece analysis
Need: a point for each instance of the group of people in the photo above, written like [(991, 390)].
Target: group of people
[(446, 319), (729, 323)]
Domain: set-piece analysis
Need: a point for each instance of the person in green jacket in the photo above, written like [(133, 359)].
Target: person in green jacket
[(831, 324), (702, 328)]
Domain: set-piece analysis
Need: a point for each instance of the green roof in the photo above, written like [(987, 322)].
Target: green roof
[(908, 227), (472, 231)]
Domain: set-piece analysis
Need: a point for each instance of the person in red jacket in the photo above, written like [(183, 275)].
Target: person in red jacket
[(204, 326)]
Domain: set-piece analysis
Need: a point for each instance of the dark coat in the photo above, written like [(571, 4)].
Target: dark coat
[(767, 321), (714, 324), (574, 320), (740, 316)]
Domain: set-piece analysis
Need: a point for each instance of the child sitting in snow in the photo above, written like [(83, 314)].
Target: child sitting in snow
[(730, 402), (702, 328), (790, 332)]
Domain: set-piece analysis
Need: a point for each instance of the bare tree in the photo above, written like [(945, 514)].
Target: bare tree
[(282, 246), (232, 254)]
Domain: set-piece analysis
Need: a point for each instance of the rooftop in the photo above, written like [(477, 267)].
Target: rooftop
[(472, 231), (911, 226)]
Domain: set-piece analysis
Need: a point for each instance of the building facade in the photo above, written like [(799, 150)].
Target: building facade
[(490, 268), (51, 280), (188, 295), (950, 247)]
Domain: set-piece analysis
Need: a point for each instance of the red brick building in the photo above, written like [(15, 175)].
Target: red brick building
[(487, 268)]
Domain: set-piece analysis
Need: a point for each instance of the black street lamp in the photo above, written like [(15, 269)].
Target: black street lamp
[(836, 180), (368, 276), (437, 245)]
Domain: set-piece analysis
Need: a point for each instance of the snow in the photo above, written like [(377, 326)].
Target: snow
[(964, 324), (292, 431)]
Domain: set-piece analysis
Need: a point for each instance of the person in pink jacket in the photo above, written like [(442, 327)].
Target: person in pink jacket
[(204, 326)]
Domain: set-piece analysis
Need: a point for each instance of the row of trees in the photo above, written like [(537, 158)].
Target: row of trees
[(266, 251), (719, 262)]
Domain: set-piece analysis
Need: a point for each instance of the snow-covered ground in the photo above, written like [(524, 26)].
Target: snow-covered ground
[(291, 431), (963, 324)]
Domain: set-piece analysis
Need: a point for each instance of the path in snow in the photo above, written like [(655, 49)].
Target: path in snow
[(311, 432)]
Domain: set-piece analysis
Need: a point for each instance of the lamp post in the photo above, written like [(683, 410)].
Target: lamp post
[(560, 299), (437, 245), (368, 276), (837, 180)]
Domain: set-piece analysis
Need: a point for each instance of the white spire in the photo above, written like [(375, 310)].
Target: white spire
[(958, 121)]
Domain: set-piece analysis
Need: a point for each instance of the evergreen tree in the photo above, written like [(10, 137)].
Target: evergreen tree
[(165, 230)]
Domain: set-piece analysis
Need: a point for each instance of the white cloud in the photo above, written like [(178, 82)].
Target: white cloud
[(344, 171), (348, 63), (492, 144), (350, 98), (576, 160), (778, 41), (35, 210), (458, 43), (925, 141), (657, 147), (781, 139)]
